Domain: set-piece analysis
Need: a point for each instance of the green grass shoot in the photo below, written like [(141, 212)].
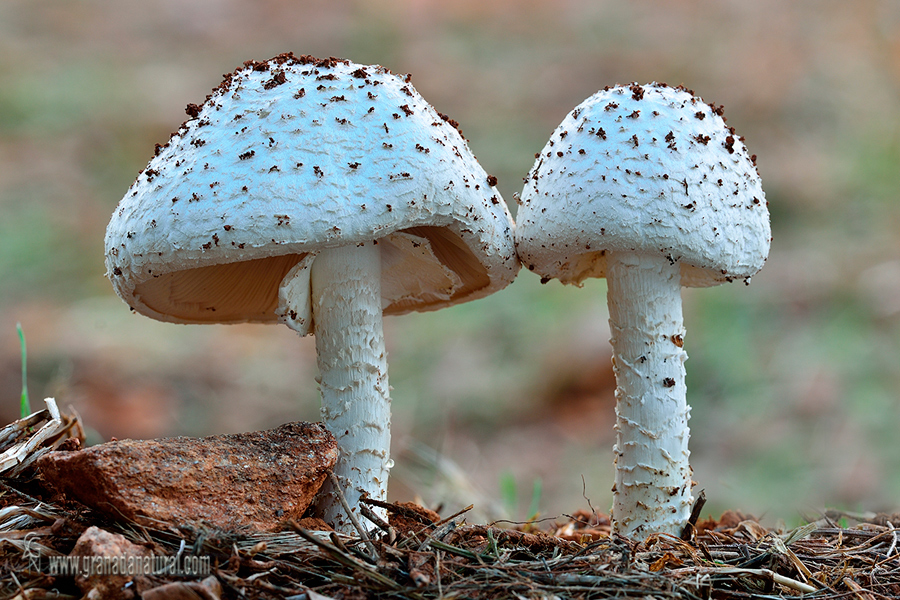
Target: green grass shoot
[(509, 496), (24, 405), (534, 508), (508, 493)]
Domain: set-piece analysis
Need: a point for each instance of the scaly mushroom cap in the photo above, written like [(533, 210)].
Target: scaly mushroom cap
[(293, 155), (649, 169)]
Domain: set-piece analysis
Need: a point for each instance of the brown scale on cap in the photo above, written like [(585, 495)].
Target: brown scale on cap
[(729, 144), (452, 123), (277, 80), (637, 92)]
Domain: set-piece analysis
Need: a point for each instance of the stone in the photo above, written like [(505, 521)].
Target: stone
[(101, 562), (207, 589), (245, 482)]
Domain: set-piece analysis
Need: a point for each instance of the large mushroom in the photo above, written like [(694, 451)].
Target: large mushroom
[(320, 194), (648, 187)]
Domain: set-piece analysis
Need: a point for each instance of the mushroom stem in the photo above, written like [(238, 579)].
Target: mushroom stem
[(653, 476), (356, 407)]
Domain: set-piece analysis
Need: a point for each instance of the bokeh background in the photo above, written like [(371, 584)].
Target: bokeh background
[(508, 401)]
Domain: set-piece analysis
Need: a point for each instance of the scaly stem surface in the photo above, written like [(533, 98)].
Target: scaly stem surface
[(356, 407), (653, 475)]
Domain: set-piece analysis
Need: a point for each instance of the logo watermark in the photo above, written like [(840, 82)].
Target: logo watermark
[(180, 565), (129, 565)]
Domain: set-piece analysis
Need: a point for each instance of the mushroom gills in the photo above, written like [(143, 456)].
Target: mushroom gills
[(424, 268), (228, 293), (402, 255)]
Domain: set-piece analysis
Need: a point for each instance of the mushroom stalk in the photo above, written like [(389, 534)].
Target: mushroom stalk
[(652, 492), (356, 407)]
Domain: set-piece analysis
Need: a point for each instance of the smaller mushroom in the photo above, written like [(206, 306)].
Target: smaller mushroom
[(648, 187)]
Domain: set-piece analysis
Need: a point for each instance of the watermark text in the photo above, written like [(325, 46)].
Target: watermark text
[(129, 565)]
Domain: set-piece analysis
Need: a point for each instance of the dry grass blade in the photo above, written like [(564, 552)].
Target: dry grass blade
[(760, 573), (22, 441), (336, 484), (21, 445), (859, 591), (367, 571)]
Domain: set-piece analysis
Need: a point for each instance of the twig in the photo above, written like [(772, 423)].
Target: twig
[(691, 525), (9, 488), (492, 545), (453, 549), (18, 453), (362, 532), (800, 533), (439, 529), (381, 523), (336, 540), (893, 542), (454, 515), (437, 573), (438, 534), (397, 509), (762, 573), (345, 559), (584, 495), (860, 592)]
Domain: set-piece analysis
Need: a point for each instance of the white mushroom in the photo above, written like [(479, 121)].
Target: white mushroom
[(648, 187), (318, 193)]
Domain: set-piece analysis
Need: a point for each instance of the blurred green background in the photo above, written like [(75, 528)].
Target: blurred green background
[(794, 380)]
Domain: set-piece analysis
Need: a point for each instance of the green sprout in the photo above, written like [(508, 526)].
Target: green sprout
[(24, 405), (534, 510), (509, 495)]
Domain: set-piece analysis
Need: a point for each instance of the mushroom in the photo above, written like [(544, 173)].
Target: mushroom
[(320, 194), (648, 187)]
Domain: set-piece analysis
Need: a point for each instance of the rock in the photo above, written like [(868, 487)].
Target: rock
[(208, 589), (102, 565), (237, 482)]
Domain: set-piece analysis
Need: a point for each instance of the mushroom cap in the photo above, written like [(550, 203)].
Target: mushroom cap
[(651, 169), (294, 155)]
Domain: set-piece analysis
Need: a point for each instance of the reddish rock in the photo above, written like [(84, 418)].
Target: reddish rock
[(208, 589), (249, 481), (102, 565)]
